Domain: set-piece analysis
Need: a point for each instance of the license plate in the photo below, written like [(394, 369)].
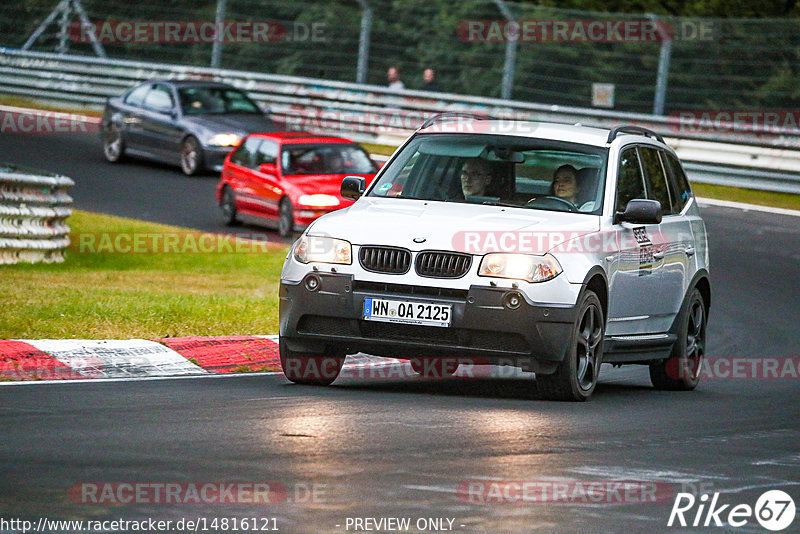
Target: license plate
[(401, 311)]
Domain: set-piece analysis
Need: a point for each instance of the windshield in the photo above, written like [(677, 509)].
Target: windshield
[(330, 158), (214, 100), (500, 170)]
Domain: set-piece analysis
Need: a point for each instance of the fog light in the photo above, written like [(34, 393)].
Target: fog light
[(312, 282), (512, 300)]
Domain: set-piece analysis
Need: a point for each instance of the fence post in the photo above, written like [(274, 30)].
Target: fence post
[(663, 68), (511, 54), (216, 49), (364, 41)]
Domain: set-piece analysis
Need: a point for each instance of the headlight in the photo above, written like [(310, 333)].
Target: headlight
[(224, 140), (318, 201), (520, 267), (322, 250)]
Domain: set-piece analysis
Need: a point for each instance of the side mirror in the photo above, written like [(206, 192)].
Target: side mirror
[(268, 168), (353, 187), (640, 211)]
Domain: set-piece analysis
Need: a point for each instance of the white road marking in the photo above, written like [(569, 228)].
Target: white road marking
[(702, 201), (204, 376)]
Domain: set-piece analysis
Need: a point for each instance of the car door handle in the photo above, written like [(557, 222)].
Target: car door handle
[(690, 251), (658, 255)]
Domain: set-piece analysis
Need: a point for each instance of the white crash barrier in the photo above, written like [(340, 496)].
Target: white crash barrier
[(33, 216)]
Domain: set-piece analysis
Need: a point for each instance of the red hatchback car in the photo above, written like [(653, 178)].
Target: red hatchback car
[(288, 179)]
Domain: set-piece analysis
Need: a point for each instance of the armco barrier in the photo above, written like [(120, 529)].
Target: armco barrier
[(377, 114), (33, 212)]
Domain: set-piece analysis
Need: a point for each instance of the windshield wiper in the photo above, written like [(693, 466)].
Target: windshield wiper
[(505, 204)]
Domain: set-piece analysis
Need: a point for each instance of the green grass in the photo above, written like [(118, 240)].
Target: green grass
[(99, 295), (749, 196), (21, 102), (384, 150)]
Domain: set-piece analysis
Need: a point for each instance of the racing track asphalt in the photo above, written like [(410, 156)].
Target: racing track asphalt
[(401, 447)]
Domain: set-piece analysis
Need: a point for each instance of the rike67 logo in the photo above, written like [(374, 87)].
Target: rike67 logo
[(774, 510)]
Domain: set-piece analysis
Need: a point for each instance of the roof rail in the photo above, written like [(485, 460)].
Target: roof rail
[(633, 130), (452, 115)]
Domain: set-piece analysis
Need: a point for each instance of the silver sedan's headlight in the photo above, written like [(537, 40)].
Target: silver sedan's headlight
[(520, 267), (224, 139), (322, 250)]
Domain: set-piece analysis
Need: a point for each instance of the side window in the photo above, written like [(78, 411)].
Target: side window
[(267, 153), (680, 183), (159, 99), (630, 184), (244, 155), (136, 97), (656, 178)]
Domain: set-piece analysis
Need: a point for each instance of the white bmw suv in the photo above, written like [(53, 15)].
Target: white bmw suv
[(547, 247)]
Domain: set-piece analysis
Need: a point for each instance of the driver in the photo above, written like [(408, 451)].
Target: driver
[(565, 183), (476, 175)]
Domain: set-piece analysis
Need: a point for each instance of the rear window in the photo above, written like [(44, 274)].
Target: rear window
[(245, 154), (136, 96)]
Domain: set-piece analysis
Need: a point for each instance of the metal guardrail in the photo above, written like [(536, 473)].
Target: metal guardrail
[(765, 158), (33, 213)]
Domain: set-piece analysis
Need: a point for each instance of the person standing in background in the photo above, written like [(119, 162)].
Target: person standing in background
[(393, 77), (429, 82)]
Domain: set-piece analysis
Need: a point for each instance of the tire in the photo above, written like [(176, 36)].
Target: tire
[(113, 145), (228, 207), (576, 376), (286, 218), (434, 367), (309, 369), (681, 371), (191, 157)]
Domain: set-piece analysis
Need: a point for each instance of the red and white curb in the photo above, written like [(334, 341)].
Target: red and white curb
[(76, 359), (45, 360)]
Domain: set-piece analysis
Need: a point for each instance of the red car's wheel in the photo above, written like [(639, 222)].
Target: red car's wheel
[(286, 218)]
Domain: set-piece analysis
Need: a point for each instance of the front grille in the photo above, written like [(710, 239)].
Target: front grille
[(430, 335), (388, 260), (434, 264), (403, 289)]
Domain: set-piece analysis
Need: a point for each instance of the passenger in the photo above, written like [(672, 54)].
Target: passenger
[(565, 183)]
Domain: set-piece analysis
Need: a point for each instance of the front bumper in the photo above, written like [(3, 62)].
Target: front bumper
[(214, 157), (534, 337)]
